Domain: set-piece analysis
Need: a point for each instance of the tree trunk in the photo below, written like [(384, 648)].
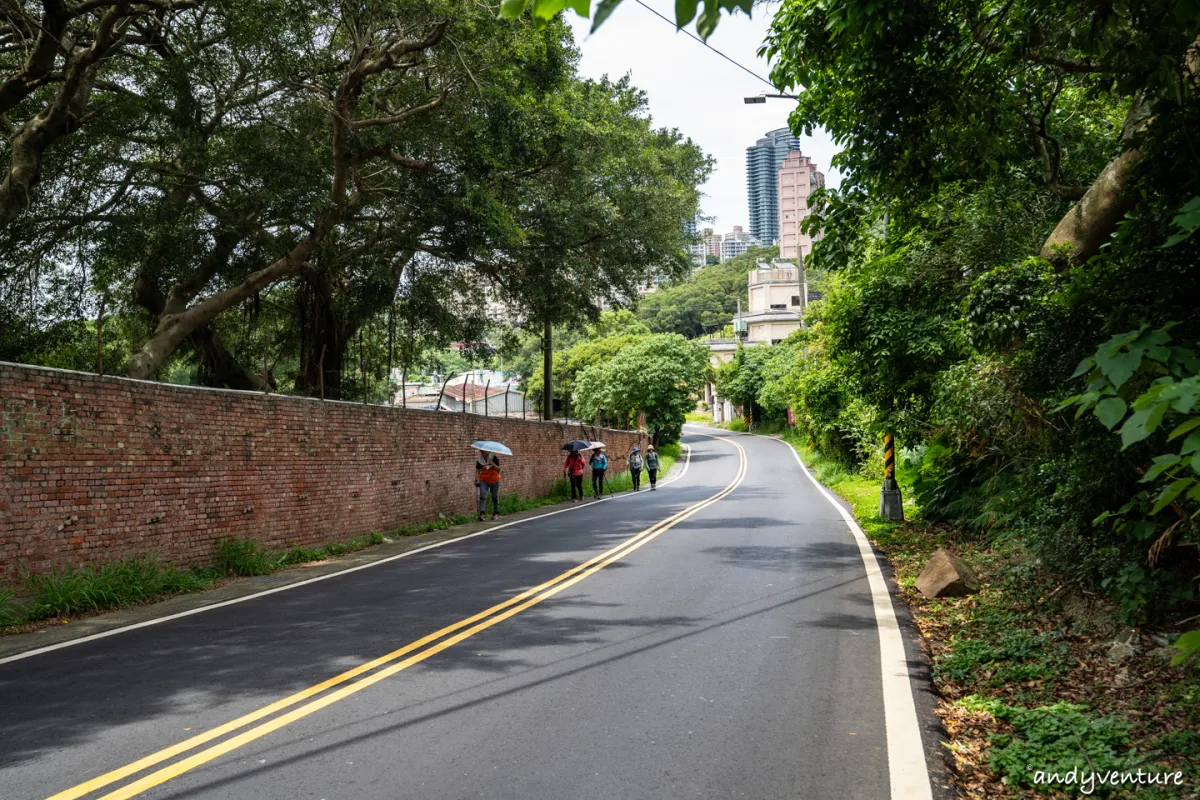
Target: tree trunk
[(547, 371), (391, 346), (176, 326), (220, 368), (407, 357), (1091, 222), (323, 333), (65, 112), (30, 144)]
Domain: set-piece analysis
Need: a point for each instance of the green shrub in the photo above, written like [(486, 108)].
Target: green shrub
[(301, 555), (336, 548), (113, 585), (1013, 655), (9, 614), (1057, 739), (243, 557)]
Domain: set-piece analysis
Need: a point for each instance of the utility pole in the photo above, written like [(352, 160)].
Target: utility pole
[(547, 370), (891, 504)]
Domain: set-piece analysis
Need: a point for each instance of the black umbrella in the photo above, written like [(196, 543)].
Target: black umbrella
[(575, 445)]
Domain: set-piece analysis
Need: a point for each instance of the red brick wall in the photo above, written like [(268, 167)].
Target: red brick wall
[(95, 469)]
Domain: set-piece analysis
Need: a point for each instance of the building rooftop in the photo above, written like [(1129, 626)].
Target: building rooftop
[(473, 392), (785, 275)]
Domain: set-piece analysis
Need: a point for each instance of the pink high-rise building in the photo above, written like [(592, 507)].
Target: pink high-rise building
[(798, 178)]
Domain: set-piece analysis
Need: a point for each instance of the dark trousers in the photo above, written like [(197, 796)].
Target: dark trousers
[(636, 474), (597, 482), (653, 476), (577, 486)]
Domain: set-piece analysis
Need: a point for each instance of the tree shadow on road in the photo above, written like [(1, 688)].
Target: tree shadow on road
[(532, 678), (821, 556)]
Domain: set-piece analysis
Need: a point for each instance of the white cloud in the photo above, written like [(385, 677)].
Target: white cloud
[(695, 90)]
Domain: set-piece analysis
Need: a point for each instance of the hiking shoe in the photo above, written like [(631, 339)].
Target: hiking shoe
[(495, 517)]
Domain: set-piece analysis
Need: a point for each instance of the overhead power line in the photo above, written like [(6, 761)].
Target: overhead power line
[(706, 44)]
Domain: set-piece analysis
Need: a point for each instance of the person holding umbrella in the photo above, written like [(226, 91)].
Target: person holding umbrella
[(574, 471), (487, 475), (652, 466), (599, 463), (635, 468)]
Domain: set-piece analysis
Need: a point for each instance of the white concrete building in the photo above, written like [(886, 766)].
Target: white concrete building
[(736, 242), (776, 299), (777, 294)]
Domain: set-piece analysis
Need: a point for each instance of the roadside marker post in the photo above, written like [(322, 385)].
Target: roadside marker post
[(891, 504)]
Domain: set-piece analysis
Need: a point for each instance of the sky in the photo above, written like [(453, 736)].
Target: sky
[(695, 90)]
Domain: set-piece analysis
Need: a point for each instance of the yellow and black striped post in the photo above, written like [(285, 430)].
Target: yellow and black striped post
[(891, 504)]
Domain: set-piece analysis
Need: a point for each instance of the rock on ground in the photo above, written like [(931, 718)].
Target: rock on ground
[(946, 575)]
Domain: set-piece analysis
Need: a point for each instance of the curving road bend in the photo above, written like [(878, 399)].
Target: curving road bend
[(718, 638)]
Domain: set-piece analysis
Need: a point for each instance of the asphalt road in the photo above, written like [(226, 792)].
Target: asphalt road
[(733, 651)]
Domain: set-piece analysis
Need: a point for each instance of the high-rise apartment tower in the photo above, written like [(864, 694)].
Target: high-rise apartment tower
[(762, 182)]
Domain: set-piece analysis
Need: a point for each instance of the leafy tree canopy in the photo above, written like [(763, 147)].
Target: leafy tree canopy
[(703, 301), (657, 375)]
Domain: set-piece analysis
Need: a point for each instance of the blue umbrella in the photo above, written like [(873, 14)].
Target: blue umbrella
[(492, 447)]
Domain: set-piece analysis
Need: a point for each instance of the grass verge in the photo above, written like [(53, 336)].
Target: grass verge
[(1027, 685), (62, 593), (69, 591)]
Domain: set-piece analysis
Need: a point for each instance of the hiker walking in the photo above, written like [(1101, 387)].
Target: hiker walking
[(635, 468), (599, 465), (574, 471), (652, 466), (487, 479)]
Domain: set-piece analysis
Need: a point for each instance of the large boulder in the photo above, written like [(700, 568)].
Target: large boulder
[(946, 575)]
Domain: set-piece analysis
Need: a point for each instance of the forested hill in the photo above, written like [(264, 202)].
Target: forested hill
[(704, 301)]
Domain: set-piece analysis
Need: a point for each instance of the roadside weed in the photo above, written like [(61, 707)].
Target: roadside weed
[(9, 615), (244, 557), (113, 585)]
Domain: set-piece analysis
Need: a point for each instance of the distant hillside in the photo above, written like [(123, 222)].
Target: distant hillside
[(703, 302)]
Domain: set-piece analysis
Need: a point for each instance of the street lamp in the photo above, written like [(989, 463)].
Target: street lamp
[(762, 98)]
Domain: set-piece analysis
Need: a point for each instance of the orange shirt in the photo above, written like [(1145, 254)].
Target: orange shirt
[(489, 473)]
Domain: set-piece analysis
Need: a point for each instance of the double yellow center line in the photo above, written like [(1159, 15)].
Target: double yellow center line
[(397, 660)]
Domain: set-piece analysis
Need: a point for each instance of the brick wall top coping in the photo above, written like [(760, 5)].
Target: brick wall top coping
[(185, 388)]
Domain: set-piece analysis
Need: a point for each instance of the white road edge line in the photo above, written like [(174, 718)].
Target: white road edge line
[(687, 460), (906, 754), (907, 769)]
